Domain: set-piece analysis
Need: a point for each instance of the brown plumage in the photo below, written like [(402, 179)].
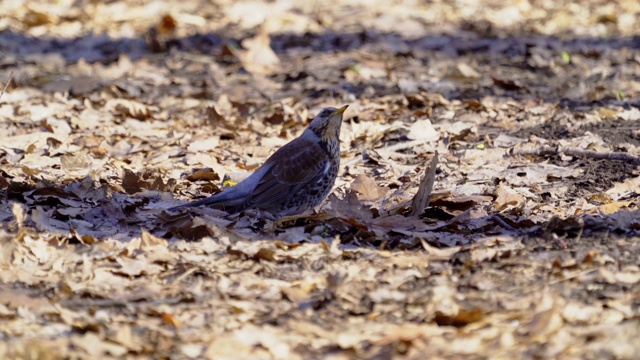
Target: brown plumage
[(297, 177)]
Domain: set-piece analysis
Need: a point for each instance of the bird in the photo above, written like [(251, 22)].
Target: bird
[(296, 178)]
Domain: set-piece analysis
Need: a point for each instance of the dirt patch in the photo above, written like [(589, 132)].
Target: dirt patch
[(616, 133)]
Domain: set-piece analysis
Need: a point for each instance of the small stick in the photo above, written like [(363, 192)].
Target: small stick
[(7, 84), (404, 145), (557, 150)]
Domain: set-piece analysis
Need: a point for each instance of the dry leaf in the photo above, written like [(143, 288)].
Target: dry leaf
[(131, 108), (367, 188), (508, 197), (19, 215), (421, 199), (259, 58)]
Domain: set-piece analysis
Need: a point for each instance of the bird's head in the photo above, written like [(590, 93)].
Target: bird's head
[(327, 123)]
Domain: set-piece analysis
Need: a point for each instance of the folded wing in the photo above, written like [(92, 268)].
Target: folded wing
[(306, 162)]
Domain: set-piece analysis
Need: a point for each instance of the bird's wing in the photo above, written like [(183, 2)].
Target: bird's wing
[(298, 162)]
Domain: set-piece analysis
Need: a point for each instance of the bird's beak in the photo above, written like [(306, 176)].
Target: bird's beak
[(341, 110)]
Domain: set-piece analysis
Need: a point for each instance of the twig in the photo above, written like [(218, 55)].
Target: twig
[(573, 276), (119, 303), (557, 150), (7, 84), (404, 145), (498, 219)]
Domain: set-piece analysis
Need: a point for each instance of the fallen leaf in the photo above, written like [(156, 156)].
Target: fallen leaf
[(258, 57), (508, 197), (367, 188), (130, 108), (421, 199)]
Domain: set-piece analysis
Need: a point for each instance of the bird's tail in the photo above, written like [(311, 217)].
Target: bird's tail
[(226, 200)]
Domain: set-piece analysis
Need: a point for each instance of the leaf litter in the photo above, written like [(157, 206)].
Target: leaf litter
[(487, 203)]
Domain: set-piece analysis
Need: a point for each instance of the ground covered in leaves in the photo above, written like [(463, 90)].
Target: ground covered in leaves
[(529, 246)]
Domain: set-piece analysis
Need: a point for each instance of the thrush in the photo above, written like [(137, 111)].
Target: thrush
[(297, 177)]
